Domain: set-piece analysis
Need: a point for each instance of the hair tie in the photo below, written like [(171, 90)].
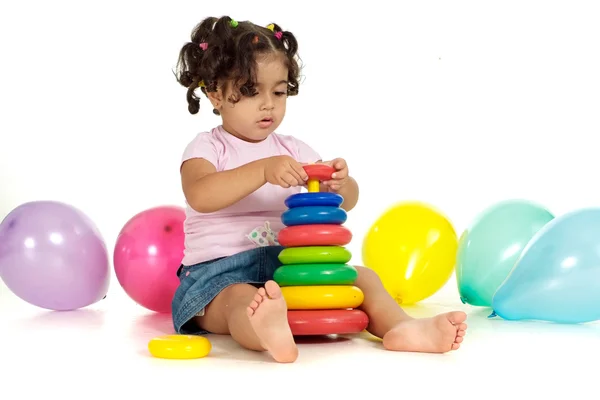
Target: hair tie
[(271, 27), (278, 35), (233, 23), (255, 39), (203, 46)]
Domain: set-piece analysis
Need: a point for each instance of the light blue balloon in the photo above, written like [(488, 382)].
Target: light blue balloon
[(489, 248), (557, 276)]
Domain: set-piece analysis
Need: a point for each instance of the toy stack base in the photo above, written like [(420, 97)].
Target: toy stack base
[(327, 322), (316, 280)]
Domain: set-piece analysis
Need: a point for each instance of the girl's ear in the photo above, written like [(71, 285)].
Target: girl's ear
[(216, 98)]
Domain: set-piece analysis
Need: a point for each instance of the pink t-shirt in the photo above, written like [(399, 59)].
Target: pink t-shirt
[(253, 221)]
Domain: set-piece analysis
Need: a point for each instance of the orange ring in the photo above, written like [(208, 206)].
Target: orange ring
[(314, 235)]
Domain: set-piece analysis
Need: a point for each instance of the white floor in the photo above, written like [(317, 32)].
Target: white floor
[(100, 351)]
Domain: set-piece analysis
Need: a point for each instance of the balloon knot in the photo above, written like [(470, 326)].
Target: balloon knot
[(493, 314), (463, 300)]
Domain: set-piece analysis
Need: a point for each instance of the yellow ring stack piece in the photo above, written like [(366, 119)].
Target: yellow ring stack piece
[(179, 347)]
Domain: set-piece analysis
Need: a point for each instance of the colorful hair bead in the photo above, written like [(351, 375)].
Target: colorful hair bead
[(271, 27), (203, 46), (278, 35), (233, 23), (201, 84)]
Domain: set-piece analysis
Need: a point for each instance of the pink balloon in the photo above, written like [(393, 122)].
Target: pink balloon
[(147, 254)]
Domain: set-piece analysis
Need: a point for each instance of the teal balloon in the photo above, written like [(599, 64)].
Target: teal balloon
[(557, 277), (489, 248)]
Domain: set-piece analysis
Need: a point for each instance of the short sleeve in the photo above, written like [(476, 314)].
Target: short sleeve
[(202, 146), (306, 154)]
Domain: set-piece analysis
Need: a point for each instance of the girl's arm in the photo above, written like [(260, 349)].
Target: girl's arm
[(207, 190)]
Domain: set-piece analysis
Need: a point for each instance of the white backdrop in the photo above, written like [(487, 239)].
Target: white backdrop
[(460, 104)]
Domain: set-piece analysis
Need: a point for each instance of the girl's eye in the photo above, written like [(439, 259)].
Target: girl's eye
[(280, 93)]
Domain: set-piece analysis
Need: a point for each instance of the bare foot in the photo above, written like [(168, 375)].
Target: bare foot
[(268, 317), (439, 334)]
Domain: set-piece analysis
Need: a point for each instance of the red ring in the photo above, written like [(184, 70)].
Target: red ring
[(321, 172), (327, 322), (314, 235)]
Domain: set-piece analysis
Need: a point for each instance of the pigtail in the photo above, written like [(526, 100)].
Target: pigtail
[(286, 38), (287, 42), (189, 66), (187, 74), (204, 30), (224, 30), (291, 48), (290, 43)]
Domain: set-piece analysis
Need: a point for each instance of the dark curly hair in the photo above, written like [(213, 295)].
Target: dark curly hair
[(224, 50)]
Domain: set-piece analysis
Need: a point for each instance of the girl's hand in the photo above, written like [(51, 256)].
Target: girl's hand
[(284, 171), (340, 177)]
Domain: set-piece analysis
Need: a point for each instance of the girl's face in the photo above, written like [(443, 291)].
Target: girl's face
[(254, 118)]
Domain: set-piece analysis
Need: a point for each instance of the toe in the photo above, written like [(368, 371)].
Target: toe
[(462, 327), (249, 311), (458, 339), (460, 333), (457, 317), (273, 290), (262, 292), (455, 346), (253, 305), (258, 298)]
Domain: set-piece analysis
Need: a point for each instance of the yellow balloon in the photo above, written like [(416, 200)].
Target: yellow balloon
[(412, 247)]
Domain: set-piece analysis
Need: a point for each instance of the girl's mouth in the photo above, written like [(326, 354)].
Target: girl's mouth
[(265, 122)]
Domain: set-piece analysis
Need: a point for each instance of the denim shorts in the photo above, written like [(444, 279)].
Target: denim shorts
[(201, 283)]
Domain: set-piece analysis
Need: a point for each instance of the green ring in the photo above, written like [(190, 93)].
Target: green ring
[(315, 274), (315, 255)]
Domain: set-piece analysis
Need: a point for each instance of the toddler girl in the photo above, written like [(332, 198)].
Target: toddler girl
[(236, 178)]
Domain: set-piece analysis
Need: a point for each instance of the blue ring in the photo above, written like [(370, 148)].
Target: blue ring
[(313, 199), (314, 215)]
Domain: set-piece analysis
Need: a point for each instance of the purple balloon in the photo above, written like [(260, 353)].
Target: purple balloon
[(53, 256)]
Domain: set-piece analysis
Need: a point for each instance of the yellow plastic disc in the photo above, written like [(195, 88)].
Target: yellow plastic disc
[(181, 347), (325, 297)]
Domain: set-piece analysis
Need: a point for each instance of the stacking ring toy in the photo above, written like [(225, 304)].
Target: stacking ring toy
[(314, 215), (318, 199), (317, 173), (315, 279), (322, 297), (314, 235), (315, 274), (315, 254), (181, 347), (327, 322)]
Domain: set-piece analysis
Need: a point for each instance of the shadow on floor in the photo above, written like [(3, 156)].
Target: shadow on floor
[(86, 319)]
